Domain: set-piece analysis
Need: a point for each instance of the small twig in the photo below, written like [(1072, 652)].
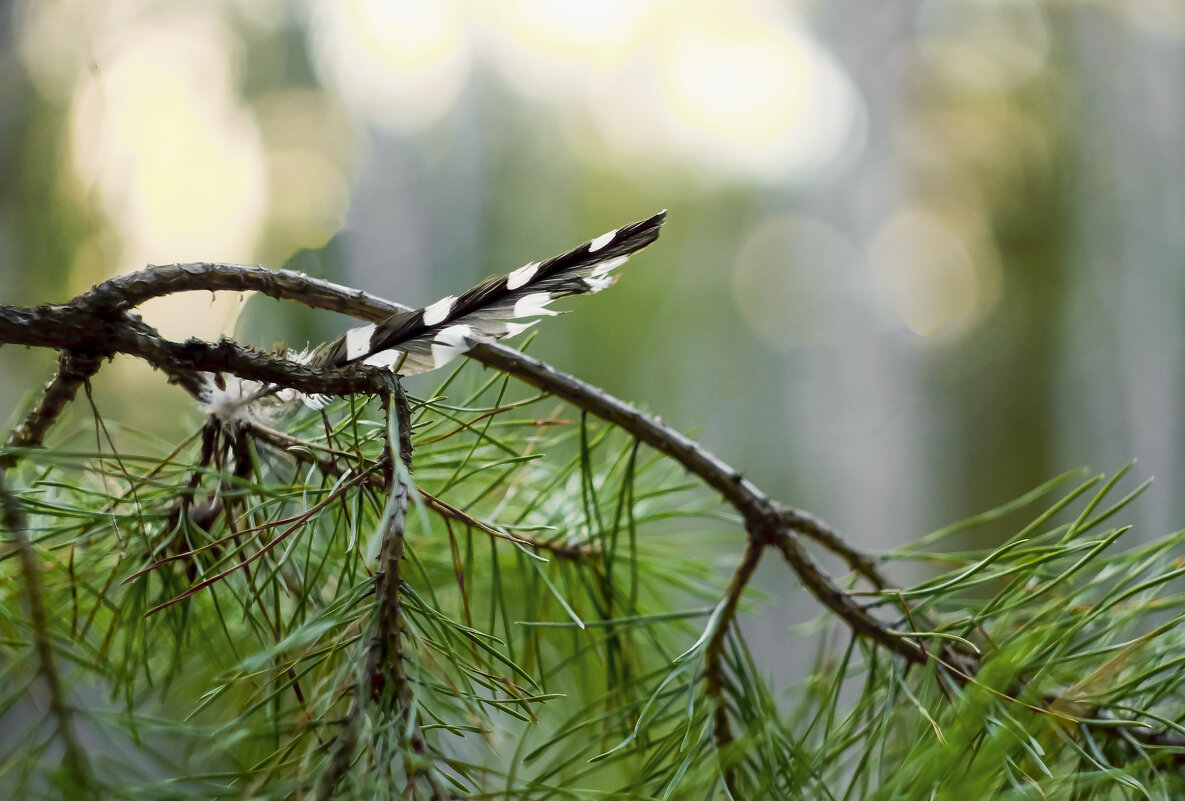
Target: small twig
[(857, 617), (714, 657), (74, 368), (282, 441), (570, 551), (815, 529), (266, 548), (343, 751), (387, 655)]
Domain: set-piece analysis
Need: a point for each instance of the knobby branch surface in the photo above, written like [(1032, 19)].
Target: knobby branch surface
[(104, 333)]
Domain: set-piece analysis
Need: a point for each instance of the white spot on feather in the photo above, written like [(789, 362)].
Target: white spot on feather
[(607, 265), (514, 329), (385, 359), (450, 342), (438, 312), (601, 241), (358, 341), (533, 305), (522, 275), (597, 284)]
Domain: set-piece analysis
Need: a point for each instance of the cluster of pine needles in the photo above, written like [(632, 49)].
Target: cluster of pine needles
[(221, 615)]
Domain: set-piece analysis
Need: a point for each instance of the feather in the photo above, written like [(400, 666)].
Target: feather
[(421, 340)]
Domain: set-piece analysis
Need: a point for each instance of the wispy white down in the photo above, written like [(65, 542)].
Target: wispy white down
[(237, 403)]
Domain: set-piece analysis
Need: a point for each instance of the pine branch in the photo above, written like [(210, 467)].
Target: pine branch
[(99, 324), (74, 369), (101, 334), (77, 766), (385, 655), (305, 451), (761, 514)]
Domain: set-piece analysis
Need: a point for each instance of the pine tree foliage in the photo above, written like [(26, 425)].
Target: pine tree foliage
[(543, 607)]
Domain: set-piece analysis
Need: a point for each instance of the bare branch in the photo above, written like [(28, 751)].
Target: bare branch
[(73, 371), (857, 617), (74, 327), (815, 529)]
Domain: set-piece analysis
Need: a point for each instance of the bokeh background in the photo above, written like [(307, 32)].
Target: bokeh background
[(921, 255)]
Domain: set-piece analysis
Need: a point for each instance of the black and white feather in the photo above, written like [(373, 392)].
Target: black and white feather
[(421, 340), (424, 339)]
